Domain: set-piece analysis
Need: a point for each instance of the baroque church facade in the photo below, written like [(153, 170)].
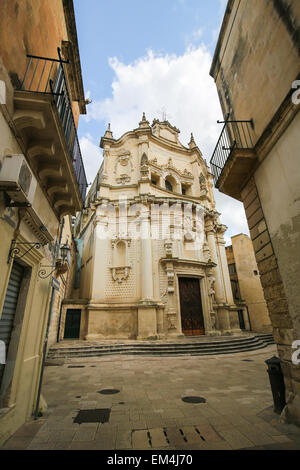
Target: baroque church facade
[(151, 259)]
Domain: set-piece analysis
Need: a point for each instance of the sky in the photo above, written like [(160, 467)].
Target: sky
[(153, 57)]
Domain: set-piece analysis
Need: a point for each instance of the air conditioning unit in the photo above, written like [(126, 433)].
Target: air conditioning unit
[(17, 179)]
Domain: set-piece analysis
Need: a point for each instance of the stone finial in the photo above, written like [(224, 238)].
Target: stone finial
[(108, 133), (144, 122), (192, 143)]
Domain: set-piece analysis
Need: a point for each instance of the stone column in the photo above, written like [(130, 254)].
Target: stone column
[(220, 295), (101, 251), (147, 322), (233, 312), (146, 252)]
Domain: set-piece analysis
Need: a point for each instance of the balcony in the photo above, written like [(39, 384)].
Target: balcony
[(234, 157), (47, 132)]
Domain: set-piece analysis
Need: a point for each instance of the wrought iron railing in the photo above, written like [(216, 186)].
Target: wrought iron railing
[(234, 135), (44, 75)]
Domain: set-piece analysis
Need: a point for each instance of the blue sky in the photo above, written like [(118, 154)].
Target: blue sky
[(127, 29), (147, 56)]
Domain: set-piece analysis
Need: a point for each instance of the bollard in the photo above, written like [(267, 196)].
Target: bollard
[(277, 383)]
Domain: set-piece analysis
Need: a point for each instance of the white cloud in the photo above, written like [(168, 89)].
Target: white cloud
[(179, 83), (91, 155)]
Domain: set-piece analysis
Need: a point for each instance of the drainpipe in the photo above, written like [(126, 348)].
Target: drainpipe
[(36, 411)]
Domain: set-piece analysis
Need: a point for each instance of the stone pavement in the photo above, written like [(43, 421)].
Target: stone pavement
[(148, 411)]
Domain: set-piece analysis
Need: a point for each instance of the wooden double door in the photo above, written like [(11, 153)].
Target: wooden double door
[(192, 321)]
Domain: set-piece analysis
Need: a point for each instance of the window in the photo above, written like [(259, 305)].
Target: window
[(154, 179), (169, 186), (183, 190), (255, 272), (235, 290), (232, 269)]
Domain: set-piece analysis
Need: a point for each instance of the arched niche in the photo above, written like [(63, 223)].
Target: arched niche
[(120, 259)]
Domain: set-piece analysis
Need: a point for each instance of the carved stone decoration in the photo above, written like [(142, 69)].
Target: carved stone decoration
[(202, 182), (123, 179), (120, 268), (212, 300), (169, 248), (172, 321), (116, 239), (120, 274), (123, 168), (187, 173), (213, 320), (144, 166), (206, 252), (211, 290), (203, 187)]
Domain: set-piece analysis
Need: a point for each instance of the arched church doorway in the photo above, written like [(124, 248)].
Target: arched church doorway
[(192, 321)]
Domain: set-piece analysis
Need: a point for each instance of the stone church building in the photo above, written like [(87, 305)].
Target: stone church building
[(151, 259)]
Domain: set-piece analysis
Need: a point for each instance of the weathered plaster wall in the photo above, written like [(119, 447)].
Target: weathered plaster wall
[(251, 64), (277, 181), (249, 283)]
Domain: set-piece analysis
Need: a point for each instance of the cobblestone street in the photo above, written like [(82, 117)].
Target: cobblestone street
[(148, 411)]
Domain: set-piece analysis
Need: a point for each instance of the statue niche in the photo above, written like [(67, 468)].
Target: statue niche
[(121, 267)]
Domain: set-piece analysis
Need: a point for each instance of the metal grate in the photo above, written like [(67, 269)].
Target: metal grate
[(100, 415)]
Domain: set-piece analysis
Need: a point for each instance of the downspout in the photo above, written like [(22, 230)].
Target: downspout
[(36, 412)]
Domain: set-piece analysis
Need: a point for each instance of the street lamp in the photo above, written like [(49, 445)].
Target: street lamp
[(60, 265), (64, 252)]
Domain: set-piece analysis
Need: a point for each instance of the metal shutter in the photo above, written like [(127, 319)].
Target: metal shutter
[(9, 307)]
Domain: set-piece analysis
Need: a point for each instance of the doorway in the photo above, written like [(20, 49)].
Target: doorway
[(241, 320), (192, 321), (72, 325)]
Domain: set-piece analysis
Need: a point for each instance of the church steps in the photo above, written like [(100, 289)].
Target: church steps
[(156, 349)]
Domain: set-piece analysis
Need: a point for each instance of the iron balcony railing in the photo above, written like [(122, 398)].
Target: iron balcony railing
[(234, 135), (44, 75)]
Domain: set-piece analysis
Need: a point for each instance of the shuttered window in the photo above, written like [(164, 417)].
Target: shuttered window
[(9, 308)]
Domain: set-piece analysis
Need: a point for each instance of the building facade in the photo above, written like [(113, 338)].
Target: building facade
[(256, 68), (42, 183), (152, 260), (246, 286)]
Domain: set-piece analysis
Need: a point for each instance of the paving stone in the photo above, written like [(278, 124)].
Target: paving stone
[(140, 440), (238, 394), (281, 438), (234, 438), (61, 435), (209, 434), (191, 435), (158, 438), (17, 443), (174, 436), (255, 435), (123, 439), (84, 435)]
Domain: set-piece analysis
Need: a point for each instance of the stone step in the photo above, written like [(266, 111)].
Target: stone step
[(155, 349), (151, 346), (177, 345)]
